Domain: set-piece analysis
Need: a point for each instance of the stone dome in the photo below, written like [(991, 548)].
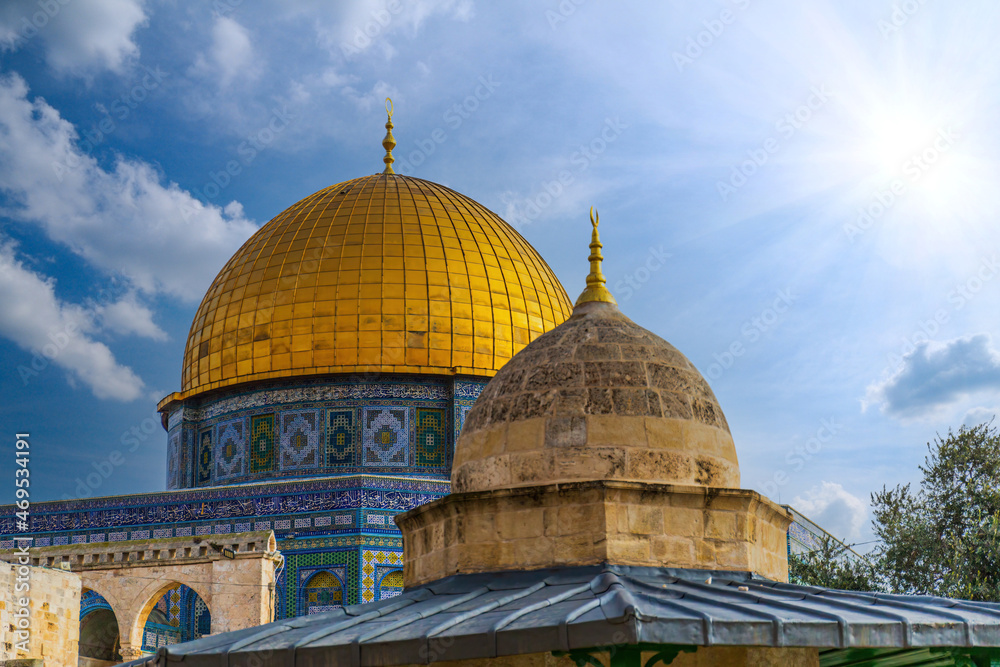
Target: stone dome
[(596, 398), (383, 273)]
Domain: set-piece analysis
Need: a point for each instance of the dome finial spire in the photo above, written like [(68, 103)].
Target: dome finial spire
[(596, 282), (390, 141)]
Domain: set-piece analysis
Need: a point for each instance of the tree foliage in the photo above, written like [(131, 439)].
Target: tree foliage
[(944, 539), (832, 565)]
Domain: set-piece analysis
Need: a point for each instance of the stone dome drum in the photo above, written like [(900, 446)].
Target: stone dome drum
[(598, 397), (383, 273)]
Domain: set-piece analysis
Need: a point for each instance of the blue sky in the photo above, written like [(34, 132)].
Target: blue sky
[(800, 196)]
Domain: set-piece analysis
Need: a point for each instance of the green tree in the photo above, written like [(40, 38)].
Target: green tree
[(832, 565), (944, 539)]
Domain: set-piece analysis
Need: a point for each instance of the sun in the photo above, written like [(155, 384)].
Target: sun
[(892, 138)]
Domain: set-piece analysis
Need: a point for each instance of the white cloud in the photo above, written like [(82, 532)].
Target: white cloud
[(231, 54), (980, 415), (129, 316), (122, 220), (361, 25), (77, 36), (57, 333), (834, 509), (374, 98), (935, 375)]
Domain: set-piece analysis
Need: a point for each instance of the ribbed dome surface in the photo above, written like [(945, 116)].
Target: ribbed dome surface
[(597, 398), (381, 273)]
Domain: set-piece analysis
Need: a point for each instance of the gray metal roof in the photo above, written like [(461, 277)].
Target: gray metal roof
[(511, 613)]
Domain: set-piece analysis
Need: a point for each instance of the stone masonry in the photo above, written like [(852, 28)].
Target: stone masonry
[(585, 523), (53, 598), (599, 397), (234, 575)]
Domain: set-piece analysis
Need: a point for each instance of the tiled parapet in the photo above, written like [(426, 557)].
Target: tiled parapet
[(583, 523)]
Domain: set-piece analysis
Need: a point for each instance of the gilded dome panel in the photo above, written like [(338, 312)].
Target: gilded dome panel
[(382, 273)]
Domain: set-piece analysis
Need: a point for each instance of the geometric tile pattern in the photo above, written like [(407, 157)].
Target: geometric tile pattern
[(390, 584), (91, 600), (372, 563), (189, 457), (340, 560), (262, 456), (463, 396), (204, 474), (340, 438), (324, 590), (431, 438), (230, 448), (385, 436), (317, 427), (299, 439), (174, 458), (179, 615)]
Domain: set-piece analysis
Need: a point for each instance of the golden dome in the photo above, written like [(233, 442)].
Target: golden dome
[(382, 273)]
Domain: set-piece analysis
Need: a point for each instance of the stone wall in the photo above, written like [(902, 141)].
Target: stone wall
[(54, 603), (233, 575), (585, 523)]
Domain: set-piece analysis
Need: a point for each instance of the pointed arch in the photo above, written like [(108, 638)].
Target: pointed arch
[(99, 633), (322, 591), (173, 612)]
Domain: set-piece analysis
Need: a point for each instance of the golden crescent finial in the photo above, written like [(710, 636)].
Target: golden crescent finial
[(390, 141), (596, 289)]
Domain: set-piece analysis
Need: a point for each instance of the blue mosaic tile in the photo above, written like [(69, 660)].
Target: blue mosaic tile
[(262, 455), (322, 589), (203, 475), (230, 438), (174, 459), (340, 438), (385, 436), (390, 581), (431, 441), (299, 439)]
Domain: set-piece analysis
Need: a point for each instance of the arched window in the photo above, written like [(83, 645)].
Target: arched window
[(391, 585), (98, 628), (179, 615), (323, 592)]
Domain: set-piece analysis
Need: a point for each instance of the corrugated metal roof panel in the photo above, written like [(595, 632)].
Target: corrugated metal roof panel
[(511, 613)]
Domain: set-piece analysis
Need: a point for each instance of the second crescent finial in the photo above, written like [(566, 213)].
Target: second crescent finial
[(596, 289)]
